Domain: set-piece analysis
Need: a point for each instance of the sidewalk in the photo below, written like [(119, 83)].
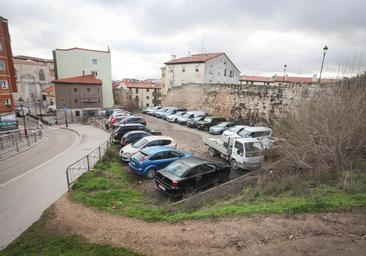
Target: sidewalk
[(24, 198)]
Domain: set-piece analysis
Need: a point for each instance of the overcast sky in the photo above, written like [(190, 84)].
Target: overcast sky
[(258, 36)]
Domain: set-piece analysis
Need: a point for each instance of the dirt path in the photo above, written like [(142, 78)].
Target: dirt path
[(310, 234)]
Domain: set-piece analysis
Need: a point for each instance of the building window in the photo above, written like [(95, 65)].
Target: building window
[(88, 89), (147, 97), (137, 90), (147, 90), (197, 69), (2, 65), (98, 90), (4, 84), (94, 72), (7, 101), (76, 101), (183, 69), (147, 105), (41, 75), (137, 98), (1, 46), (77, 113), (75, 89), (225, 72), (98, 100), (95, 61), (231, 73)]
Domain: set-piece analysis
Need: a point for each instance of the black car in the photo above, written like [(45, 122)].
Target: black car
[(193, 121), (209, 121), (125, 128), (188, 175), (133, 120), (133, 136)]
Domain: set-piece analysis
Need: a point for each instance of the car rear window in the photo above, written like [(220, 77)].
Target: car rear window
[(139, 143), (178, 168), (139, 156)]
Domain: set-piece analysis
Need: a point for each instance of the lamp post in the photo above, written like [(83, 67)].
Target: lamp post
[(64, 105), (40, 108), (284, 72), (325, 48), (24, 123)]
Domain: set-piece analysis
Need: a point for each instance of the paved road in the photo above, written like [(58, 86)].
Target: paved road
[(36, 178)]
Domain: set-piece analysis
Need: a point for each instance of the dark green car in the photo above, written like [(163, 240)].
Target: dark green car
[(210, 121)]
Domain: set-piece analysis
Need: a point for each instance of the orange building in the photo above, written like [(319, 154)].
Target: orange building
[(7, 72)]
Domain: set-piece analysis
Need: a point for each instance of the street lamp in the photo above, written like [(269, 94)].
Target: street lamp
[(321, 68), (64, 105), (24, 123), (40, 108), (284, 72)]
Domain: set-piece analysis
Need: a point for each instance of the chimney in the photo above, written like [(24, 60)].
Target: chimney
[(173, 57), (83, 72)]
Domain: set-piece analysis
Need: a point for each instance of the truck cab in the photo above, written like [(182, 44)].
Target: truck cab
[(246, 153)]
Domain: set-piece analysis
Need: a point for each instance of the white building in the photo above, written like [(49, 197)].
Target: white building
[(75, 62), (33, 75), (207, 68)]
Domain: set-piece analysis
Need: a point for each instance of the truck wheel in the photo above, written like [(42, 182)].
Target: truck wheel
[(212, 152), (151, 173), (234, 164)]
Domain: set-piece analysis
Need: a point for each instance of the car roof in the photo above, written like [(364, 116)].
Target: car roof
[(158, 137), (216, 117), (257, 129), (193, 161), (136, 132), (127, 125), (157, 149)]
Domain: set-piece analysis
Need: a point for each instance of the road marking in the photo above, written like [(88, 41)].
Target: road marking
[(41, 165)]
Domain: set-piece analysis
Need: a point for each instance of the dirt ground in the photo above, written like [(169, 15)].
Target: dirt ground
[(306, 234)]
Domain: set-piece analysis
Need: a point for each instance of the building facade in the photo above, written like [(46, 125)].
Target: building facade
[(33, 75), (78, 62), (206, 68), (81, 94), (7, 72)]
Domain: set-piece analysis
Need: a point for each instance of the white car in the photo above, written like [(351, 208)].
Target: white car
[(148, 141), (261, 133), (174, 117), (231, 133)]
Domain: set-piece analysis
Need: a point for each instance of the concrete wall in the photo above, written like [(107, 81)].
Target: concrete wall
[(176, 77), (251, 104), (215, 71), (73, 62)]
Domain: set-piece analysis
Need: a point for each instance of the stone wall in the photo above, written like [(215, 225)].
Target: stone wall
[(251, 105)]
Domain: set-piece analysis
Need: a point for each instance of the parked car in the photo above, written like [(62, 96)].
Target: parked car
[(232, 132), (190, 115), (192, 122), (51, 109), (22, 111), (174, 117), (262, 134), (117, 117), (148, 161), (162, 111), (209, 121), (124, 128), (110, 111), (133, 136), (171, 111), (133, 120), (149, 141), (153, 110), (221, 127), (186, 176)]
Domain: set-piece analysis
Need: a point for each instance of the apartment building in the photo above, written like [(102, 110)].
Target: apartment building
[(7, 72)]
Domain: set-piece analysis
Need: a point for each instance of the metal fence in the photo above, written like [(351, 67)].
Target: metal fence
[(16, 141), (75, 170)]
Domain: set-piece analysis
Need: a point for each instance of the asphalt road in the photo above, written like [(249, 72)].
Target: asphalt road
[(36, 178), (56, 141)]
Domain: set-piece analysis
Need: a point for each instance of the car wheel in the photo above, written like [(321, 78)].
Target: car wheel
[(234, 165), (212, 152), (151, 173), (188, 192)]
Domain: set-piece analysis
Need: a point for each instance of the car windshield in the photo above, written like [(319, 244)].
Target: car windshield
[(253, 149), (208, 119), (235, 129), (223, 124), (117, 130), (139, 156), (139, 143), (178, 168), (245, 134), (180, 113)]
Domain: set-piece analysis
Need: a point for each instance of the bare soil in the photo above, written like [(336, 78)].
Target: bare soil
[(306, 234)]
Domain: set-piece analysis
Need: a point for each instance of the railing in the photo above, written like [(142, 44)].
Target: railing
[(75, 170), (16, 141)]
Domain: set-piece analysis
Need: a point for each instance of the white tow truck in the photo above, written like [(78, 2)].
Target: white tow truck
[(243, 153)]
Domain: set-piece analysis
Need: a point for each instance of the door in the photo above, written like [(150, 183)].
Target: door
[(208, 175), (238, 152)]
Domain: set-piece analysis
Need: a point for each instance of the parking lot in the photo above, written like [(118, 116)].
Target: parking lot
[(188, 139)]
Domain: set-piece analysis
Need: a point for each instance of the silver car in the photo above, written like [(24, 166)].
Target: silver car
[(220, 128)]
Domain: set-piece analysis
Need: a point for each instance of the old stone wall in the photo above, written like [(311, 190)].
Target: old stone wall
[(249, 104)]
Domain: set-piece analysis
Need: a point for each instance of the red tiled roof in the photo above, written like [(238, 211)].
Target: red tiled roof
[(49, 91), (23, 57), (195, 58), (295, 79), (142, 85), (84, 49), (256, 78), (87, 79)]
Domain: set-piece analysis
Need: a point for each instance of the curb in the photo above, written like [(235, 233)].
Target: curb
[(70, 129)]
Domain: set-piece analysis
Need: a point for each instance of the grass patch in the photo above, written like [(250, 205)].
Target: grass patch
[(38, 241), (109, 187)]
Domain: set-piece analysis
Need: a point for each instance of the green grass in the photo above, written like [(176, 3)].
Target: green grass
[(38, 241), (110, 188)]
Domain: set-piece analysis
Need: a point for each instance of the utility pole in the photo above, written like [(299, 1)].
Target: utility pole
[(24, 123), (321, 68), (284, 72), (40, 109), (64, 105)]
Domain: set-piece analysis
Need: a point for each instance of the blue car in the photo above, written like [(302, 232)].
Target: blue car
[(149, 160)]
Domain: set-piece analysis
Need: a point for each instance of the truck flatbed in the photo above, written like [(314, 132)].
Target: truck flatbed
[(218, 146)]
